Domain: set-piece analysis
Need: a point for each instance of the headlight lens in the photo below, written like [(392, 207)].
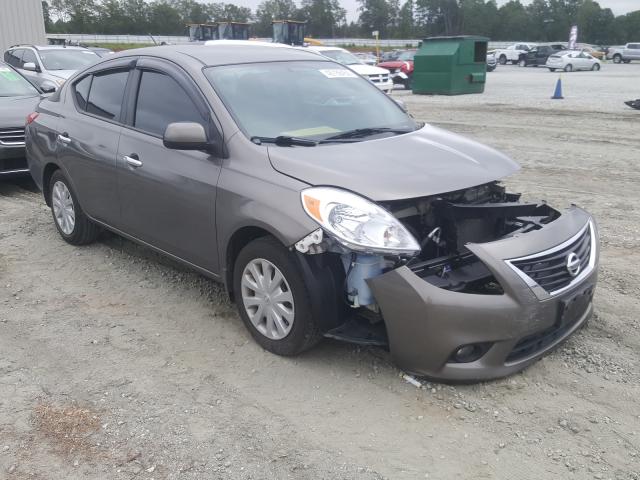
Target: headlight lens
[(357, 223)]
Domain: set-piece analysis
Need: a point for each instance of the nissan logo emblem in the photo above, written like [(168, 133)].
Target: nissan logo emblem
[(573, 264)]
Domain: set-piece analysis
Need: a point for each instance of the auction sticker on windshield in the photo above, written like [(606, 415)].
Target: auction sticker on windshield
[(338, 73)]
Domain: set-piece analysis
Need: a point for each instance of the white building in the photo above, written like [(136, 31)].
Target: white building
[(21, 21)]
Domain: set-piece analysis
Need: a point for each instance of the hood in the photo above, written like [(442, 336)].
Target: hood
[(63, 74), (14, 110), (426, 162), (365, 70)]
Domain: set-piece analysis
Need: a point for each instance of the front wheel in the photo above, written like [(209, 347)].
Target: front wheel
[(273, 299), (617, 58), (552, 69), (568, 68), (522, 62), (595, 67), (72, 224), (503, 59)]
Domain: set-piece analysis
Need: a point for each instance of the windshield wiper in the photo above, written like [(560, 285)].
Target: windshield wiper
[(285, 141), (365, 132)]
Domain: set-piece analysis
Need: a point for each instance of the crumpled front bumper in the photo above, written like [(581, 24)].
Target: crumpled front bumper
[(426, 324)]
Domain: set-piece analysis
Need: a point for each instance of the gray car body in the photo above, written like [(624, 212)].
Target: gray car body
[(201, 208)]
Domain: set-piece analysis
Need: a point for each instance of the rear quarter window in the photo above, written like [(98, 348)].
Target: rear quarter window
[(81, 92)]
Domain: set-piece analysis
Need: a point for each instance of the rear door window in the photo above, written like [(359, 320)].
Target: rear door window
[(155, 109), (29, 57), (106, 94)]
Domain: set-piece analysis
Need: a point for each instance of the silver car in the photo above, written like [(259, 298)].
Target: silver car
[(49, 65), (320, 204)]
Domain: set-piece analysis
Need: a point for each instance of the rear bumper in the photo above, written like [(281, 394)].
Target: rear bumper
[(426, 325)]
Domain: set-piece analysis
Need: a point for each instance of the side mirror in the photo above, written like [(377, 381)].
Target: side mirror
[(48, 87), (32, 67), (186, 136)]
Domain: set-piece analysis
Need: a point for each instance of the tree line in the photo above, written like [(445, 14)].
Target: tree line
[(540, 20)]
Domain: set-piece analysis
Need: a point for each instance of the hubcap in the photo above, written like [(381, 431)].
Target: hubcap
[(63, 209), (267, 299)]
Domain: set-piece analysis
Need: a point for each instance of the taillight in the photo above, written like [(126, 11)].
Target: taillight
[(31, 117)]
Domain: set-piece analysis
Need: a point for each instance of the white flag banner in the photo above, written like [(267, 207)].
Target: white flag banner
[(573, 37)]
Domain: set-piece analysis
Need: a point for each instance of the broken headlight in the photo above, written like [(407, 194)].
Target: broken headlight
[(358, 223)]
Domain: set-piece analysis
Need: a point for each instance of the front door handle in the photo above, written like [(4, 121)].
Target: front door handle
[(64, 138), (132, 161)]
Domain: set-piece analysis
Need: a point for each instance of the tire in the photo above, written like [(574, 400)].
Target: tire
[(617, 58), (407, 84), (522, 62), (70, 221), (627, 61), (298, 329), (568, 68), (595, 67), (503, 59), (552, 69)]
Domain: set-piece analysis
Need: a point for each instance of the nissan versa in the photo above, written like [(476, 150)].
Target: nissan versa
[(324, 208)]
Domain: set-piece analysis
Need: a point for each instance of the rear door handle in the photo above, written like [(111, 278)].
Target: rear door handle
[(64, 138), (132, 161)]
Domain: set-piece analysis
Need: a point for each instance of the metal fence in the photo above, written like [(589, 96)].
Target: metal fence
[(146, 39)]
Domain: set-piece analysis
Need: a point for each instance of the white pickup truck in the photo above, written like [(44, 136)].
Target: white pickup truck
[(513, 52), (626, 53)]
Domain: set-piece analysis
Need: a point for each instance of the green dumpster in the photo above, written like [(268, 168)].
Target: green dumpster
[(450, 65)]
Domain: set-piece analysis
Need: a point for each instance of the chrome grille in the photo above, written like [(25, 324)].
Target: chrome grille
[(549, 269), (382, 78), (12, 137)]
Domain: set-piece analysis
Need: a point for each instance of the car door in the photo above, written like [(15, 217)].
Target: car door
[(88, 136), (168, 196), (36, 76), (633, 52), (542, 54)]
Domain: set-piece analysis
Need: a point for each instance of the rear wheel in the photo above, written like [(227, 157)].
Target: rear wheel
[(72, 224), (552, 69), (522, 62), (273, 299), (568, 68), (627, 61), (596, 67)]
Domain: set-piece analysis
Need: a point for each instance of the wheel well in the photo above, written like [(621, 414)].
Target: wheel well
[(46, 177), (238, 241)]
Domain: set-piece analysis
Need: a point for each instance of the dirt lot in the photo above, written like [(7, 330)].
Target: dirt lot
[(115, 363)]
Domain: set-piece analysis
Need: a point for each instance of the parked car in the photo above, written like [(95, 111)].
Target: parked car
[(50, 63), (367, 58), (513, 52), (298, 200), (593, 50), (625, 53), (401, 68), (571, 60), (101, 52), (18, 98), (538, 55), (492, 63), (376, 75)]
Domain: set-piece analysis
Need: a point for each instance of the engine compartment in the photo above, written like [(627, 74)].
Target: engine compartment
[(444, 224)]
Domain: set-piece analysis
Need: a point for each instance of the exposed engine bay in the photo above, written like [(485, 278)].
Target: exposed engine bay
[(444, 224)]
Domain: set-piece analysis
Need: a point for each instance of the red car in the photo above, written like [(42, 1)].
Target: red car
[(401, 68)]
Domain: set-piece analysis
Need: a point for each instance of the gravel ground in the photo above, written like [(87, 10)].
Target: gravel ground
[(116, 363)]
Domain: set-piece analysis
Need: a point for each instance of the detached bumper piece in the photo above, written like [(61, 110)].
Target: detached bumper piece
[(532, 291)]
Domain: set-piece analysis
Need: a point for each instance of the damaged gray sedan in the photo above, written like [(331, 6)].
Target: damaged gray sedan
[(325, 209)]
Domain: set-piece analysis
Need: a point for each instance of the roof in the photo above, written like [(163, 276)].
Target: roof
[(49, 47), (225, 52)]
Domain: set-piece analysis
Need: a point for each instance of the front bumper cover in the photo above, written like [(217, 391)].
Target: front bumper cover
[(426, 324)]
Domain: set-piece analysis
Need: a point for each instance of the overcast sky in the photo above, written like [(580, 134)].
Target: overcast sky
[(619, 7)]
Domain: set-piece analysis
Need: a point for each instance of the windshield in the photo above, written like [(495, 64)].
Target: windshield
[(13, 85), (315, 100), (406, 56), (341, 56), (67, 59)]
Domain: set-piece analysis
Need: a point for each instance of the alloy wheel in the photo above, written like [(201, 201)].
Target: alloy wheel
[(63, 209), (267, 299)]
